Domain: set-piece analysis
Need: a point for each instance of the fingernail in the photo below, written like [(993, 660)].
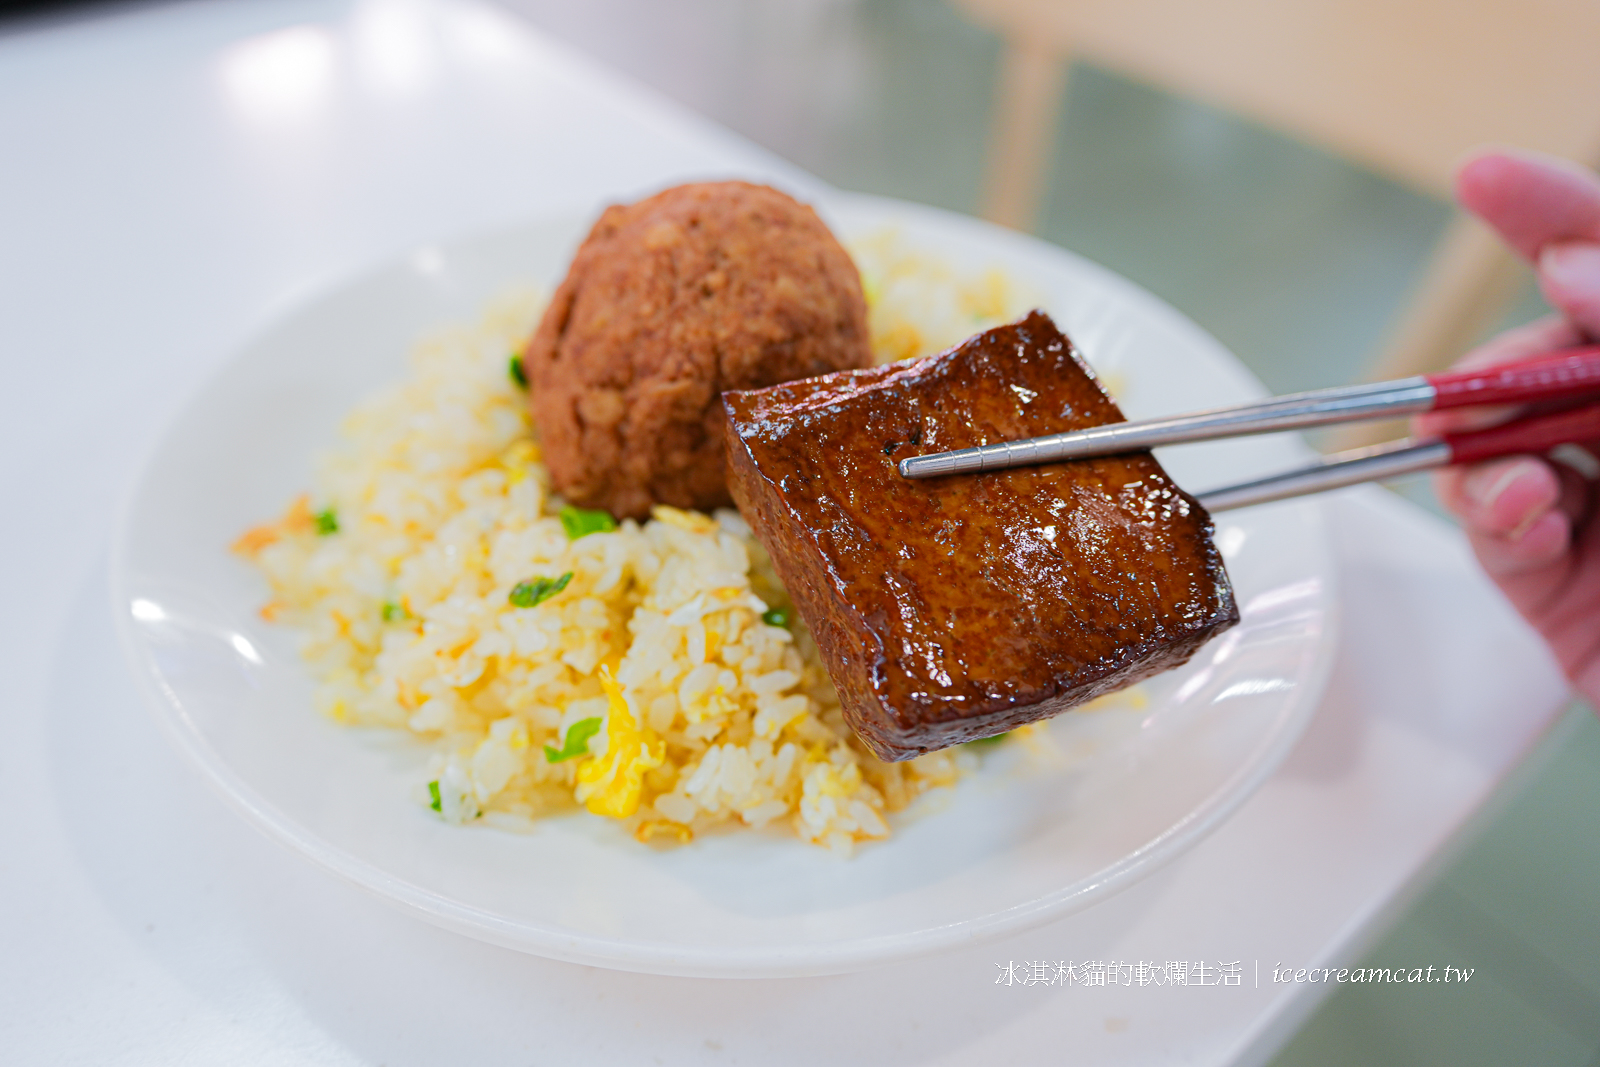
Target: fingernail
[(1484, 485), (1520, 530), (1571, 265)]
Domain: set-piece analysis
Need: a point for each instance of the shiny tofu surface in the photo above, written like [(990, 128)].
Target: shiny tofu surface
[(956, 608)]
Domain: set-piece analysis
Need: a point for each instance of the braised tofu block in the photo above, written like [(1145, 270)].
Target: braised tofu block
[(955, 608)]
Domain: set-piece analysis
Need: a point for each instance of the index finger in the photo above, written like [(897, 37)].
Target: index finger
[(1530, 199)]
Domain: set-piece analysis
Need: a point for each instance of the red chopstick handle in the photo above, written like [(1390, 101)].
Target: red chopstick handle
[(1570, 372), (1538, 434)]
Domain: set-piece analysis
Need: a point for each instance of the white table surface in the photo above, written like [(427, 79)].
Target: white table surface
[(168, 178)]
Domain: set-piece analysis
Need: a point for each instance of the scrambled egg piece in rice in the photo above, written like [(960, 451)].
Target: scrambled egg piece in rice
[(612, 783), (647, 672)]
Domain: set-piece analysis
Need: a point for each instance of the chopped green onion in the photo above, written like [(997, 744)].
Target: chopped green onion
[(577, 743), (538, 590), (986, 741), (433, 791), (327, 522), (776, 617), (518, 375), (581, 522), (394, 612)]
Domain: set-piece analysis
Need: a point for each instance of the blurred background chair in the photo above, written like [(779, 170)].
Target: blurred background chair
[(1405, 89)]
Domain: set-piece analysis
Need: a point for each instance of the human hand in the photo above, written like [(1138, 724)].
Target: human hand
[(1531, 522)]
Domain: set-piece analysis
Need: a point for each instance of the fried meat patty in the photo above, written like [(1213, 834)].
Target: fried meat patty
[(667, 303)]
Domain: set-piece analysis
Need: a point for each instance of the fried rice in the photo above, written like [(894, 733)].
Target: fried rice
[(556, 661)]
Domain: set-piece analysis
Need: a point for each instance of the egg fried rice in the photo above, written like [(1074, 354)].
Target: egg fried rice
[(648, 672)]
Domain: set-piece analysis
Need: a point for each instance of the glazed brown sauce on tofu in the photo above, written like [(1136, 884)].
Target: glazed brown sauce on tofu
[(956, 608)]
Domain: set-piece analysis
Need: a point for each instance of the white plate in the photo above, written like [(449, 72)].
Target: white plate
[(1023, 841)]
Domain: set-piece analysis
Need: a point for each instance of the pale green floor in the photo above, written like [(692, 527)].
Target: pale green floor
[(1297, 262)]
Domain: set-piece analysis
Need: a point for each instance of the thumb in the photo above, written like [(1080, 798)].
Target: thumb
[(1569, 274)]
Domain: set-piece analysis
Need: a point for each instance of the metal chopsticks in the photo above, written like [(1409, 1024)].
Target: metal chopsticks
[(1574, 372), (1293, 412), (1335, 472), (1535, 434)]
